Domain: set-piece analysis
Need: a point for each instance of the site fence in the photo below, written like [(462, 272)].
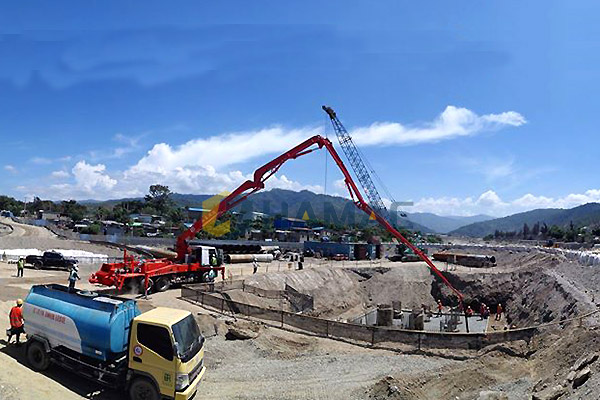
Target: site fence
[(298, 302), (213, 296), (12, 258)]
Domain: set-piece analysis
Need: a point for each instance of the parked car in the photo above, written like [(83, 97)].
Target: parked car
[(51, 259)]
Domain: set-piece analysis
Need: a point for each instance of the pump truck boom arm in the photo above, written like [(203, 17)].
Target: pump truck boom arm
[(269, 169)]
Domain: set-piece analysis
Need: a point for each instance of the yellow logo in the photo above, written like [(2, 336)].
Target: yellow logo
[(209, 218)]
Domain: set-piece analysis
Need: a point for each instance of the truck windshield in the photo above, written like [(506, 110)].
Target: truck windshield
[(188, 338)]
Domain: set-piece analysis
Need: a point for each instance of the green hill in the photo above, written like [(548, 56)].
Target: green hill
[(587, 214), (331, 209)]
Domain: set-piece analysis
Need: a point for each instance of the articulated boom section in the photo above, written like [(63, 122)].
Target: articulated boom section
[(270, 168)]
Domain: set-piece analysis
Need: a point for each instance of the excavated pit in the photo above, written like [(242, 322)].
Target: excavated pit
[(525, 283)]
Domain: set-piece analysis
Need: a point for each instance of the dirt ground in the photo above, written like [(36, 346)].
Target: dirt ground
[(277, 364)]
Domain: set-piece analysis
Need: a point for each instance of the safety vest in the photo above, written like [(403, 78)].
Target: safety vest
[(16, 317)]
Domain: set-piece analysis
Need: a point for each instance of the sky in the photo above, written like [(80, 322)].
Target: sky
[(461, 107)]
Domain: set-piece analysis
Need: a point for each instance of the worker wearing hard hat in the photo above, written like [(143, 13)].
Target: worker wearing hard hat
[(73, 277), (16, 322)]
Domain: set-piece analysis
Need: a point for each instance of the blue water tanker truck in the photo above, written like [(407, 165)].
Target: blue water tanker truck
[(152, 355)]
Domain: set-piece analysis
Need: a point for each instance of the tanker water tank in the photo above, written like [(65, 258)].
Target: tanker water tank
[(86, 322)]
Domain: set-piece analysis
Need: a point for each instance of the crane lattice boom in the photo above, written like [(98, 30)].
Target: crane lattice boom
[(357, 164)]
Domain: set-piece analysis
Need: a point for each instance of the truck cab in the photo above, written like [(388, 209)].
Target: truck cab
[(166, 355), (206, 256)]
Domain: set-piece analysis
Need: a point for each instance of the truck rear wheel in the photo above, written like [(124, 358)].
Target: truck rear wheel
[(143, 389), (37, 356), (163, 283)]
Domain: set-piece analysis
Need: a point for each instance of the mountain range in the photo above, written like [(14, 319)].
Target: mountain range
[(445, 224), (319, 206), (587, 214)]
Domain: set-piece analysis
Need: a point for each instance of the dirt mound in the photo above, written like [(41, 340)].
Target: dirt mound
[(561, 356), (335, 290), (347, 292), (495, 373)]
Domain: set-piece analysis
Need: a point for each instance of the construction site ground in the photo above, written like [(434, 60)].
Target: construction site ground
[(278, 364)]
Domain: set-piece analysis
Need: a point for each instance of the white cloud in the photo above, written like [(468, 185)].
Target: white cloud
[(60, 174), (222, 150), (233, 148), (490, 203), (91, 178), (11, 168), (205, 165), (453, 122)]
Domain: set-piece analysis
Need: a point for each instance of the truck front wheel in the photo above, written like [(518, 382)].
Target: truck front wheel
[(38, 265), (143, 389), (163, 283), (37, 356)]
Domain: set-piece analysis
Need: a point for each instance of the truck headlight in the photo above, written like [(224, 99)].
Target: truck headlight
[(182, 381)]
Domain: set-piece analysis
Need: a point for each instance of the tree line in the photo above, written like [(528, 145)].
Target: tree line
[(541, 231)]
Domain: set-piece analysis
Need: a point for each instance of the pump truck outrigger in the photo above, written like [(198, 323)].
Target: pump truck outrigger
[(106, 339)]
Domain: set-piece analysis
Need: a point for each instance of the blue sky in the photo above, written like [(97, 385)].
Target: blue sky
[(461, 107)]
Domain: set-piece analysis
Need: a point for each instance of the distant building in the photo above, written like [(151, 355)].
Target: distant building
[(194, 213), (285, 223), (148, 219), (112, 228), (350, 251), (321, 233), (253, 216), (48, 215)]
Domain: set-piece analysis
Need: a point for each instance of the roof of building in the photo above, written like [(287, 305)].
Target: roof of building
[(292, 219), (198, 209)]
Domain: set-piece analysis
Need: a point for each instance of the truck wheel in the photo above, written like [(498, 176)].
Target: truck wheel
[(163, 283), (37, 356), (143, 389), (38, 265)]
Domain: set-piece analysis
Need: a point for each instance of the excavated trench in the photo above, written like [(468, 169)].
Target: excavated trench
[(528, 297), (526, 285)]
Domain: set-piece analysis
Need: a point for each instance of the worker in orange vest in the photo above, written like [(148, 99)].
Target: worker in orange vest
[(440, 307), (16, 321), (499, 312)]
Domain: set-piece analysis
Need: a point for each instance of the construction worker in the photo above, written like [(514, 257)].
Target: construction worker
[(499, 312), (73, 277), (16, 321), (213, 260), (440, 307), (486, 312), (20, 267), (469, 311), (482, 308), (254, 265)]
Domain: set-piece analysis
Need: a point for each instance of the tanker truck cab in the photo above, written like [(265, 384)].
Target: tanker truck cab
[(166, 351), (152, 355)]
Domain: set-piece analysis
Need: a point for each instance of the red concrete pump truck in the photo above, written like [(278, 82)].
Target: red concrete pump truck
[(189, 260)]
